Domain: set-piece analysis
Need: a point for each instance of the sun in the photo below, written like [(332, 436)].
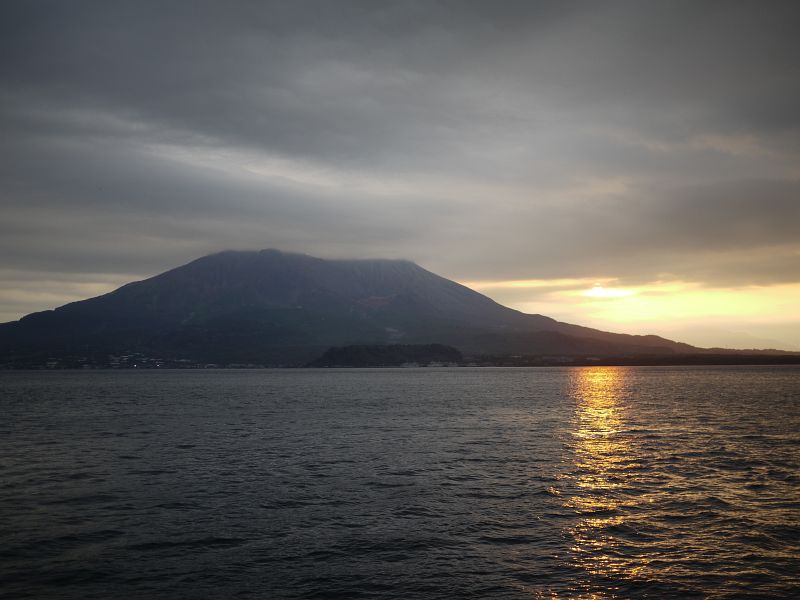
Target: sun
[(599, 291)]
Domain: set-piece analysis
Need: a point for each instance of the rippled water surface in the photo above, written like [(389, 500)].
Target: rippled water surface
[(429, 483)]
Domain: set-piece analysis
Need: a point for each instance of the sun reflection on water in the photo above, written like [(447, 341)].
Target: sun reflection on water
[(603, 466)]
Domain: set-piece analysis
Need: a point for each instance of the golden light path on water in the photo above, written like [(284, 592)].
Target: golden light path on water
[(604, 463)]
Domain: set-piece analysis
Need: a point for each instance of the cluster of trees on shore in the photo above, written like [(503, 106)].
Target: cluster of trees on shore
[(391, 355)]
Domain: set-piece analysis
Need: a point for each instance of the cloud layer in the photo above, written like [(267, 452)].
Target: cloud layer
[(525, 140)]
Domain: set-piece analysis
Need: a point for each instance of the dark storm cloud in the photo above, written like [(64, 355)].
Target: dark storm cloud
[(511, 139)]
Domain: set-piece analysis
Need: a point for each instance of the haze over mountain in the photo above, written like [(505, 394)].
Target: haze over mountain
[(271, 307)]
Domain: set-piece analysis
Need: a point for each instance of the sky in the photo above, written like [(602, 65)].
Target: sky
[(632, 166)]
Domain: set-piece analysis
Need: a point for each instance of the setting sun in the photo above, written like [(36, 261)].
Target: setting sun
[(599, 291)]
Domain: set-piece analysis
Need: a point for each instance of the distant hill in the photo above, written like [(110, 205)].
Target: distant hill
[(276, 308), (389, 355)]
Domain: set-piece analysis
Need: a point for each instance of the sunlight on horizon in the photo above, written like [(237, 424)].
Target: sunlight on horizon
[(764, 316), (599, 291)]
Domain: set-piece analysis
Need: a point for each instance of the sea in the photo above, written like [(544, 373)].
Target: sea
[(606, 482)]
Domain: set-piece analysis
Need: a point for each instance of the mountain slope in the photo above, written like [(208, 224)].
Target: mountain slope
[(273, 307)]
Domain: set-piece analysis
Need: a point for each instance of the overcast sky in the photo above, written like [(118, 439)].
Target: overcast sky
[(650, 147)]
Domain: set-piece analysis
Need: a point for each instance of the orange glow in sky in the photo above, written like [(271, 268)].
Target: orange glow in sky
[(745, 317)]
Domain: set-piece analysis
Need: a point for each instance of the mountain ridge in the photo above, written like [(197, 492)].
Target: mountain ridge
[(274, 307)]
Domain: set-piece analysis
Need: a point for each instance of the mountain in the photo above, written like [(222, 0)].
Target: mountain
[(272, 307)]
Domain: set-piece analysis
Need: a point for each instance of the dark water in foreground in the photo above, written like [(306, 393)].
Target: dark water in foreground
[(439, 483)]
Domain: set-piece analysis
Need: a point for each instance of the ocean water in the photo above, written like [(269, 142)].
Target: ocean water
[(610, 482)]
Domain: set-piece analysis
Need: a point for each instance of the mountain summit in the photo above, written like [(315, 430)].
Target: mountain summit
[(272, 307)]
